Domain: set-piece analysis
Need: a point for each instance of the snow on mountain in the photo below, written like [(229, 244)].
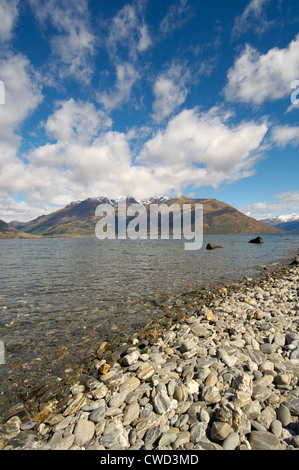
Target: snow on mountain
[(286, 218), (288, 222)]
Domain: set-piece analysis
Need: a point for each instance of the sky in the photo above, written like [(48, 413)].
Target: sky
[(146, 98)]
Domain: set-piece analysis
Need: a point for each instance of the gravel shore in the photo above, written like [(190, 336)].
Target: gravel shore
[(215, 375)]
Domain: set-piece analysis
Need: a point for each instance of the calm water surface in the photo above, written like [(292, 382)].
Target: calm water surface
[(61, 295)]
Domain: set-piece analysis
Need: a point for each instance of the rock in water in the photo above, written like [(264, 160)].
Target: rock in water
[(212, 246), (258, 240)]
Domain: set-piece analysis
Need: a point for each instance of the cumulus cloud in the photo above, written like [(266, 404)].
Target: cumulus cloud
[(73, 42), (205, 140), (9, 12), (194, 148), (76, 121), (170, 91), (256, 78)]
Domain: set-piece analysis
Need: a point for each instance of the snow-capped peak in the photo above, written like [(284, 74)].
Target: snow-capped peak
[(286, 218)]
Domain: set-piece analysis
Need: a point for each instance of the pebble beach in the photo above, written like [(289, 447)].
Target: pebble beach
[(220, 372)]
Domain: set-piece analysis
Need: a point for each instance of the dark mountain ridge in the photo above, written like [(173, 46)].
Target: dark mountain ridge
[(78, 219)]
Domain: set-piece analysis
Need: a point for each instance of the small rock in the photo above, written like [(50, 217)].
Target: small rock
[(211, 395), (97, 415), (115, 436), (83, 432), (181, 439), (231, 441), (261, 393), (284, 415), (75, 405), (10, 429), (64, 444), (268, 348), (168, 438), (276, 428), (252, 410), (229, 361), (162, 403), (131, 413), (178, 393), (193, 387), (267, 416), (263, 440), (145, 372), (131, 358), (147, 423), (187, 346), (204, 416), (28, 424), (220, 430), (293, 405), (152, 435)]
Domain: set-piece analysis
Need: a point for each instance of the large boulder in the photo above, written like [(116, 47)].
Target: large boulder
[(258, 240)]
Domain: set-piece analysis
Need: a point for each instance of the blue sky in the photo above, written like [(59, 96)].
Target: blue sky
[(143, 98)]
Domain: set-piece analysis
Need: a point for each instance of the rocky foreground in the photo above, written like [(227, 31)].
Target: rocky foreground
[(221, 376)]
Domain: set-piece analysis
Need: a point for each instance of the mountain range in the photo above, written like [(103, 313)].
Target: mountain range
[(7, 231), (290, 223), (78, 219)]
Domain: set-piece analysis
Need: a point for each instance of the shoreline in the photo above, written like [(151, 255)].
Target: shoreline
[(55, 356), (35, 422)]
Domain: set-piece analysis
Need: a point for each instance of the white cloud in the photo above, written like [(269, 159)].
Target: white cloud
[(177, 15), (76, 121), (13, 209), (170, 91), (145, 40), (126, 76), (73, 43), (256, 78), (22, 96), (195, 148), (252, 17), (204, 148), (291, 108), (285, 135), (284, 203), (8, 13), (127, 30), (22, 90)]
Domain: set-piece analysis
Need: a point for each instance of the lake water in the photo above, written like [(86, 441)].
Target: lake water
[(61, 297)]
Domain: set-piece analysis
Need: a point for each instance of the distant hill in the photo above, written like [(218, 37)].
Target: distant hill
[(78, 219), (289, 223), (6, 232)]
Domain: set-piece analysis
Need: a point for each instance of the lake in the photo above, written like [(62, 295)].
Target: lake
[(60, 298)]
